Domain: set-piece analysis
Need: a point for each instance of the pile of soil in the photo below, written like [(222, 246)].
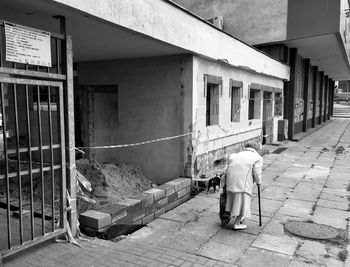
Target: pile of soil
[(110, 183)]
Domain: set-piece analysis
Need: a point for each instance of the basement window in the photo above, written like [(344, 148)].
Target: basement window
[(254, 109), (212, 91)]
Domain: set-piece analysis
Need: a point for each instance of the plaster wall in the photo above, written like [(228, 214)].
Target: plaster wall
[(255, 21), (167, 23), (226, 133), (314, 17), (151, 105)]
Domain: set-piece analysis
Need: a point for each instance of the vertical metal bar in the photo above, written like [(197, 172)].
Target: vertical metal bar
[(58, 56), (19, 178), (4, 127), (30, 163), (63, 214), (51, 160), (41, 162)]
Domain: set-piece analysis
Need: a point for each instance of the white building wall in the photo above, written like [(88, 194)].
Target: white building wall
[(227, 133), (168, 23)]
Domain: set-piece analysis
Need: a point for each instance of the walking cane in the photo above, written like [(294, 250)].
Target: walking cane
[(259, 205)]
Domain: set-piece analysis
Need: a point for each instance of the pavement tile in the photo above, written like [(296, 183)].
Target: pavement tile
[(297, 208), (334, 204), (302, 262), (331, 217), (204, 226), (164, 224), (276, 193), (255, 257), (284, 245), (275, 228), (313, 251), (183, 242), (335, 195), (234, 238), (268, 206), (220, 251), (285, 181)]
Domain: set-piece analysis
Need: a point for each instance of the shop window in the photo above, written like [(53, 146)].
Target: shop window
[(278, 104), (254, 109)]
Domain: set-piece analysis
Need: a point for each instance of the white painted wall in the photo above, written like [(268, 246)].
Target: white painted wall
[(163, 21), (208, 138)]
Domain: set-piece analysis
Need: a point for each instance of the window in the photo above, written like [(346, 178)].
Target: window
[(212, 104), (235, 103), (254, 104), (212, 91), (278, 104)]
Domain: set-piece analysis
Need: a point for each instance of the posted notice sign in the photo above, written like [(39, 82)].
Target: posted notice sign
[(27, 45)]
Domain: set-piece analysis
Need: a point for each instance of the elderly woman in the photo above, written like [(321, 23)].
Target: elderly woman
[(243, 168)]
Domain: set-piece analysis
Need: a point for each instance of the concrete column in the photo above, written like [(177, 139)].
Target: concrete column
[(331, 98), (320, 98), (325, 97), (314, 100), (290, 93), (306, 93)]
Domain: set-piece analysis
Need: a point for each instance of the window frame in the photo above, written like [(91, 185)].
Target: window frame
[(259, 98), (209, 82), (236, 85)]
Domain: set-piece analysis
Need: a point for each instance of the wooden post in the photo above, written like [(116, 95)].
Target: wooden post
[(67, 56)]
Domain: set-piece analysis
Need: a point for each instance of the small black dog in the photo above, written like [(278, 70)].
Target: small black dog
[(213, 182)]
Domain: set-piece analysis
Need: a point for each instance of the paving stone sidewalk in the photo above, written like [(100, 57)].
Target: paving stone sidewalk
[(309, 181)]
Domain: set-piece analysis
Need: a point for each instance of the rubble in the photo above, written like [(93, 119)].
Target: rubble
[(110, 183)]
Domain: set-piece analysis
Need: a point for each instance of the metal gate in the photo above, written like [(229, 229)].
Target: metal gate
[(32, 149)]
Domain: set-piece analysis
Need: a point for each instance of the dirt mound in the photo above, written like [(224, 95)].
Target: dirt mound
[(110, 183)]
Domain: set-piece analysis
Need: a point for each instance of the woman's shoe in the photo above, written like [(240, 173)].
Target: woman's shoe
[(239, 227)]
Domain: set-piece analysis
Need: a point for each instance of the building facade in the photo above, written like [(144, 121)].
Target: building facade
[(138, 82), (312, 37)]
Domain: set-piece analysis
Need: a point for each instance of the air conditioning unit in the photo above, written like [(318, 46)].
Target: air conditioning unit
[(217, 22)]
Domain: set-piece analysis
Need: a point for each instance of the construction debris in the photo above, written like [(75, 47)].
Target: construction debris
[(110, 183)]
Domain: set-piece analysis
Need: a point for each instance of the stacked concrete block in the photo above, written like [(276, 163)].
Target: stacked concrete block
[(140, 209)]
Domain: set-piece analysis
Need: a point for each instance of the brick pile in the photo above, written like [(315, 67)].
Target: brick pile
[(140, 209)]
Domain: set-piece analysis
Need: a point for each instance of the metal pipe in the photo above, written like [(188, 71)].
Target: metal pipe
[(19, 178), (41, 162), (30, 163)]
